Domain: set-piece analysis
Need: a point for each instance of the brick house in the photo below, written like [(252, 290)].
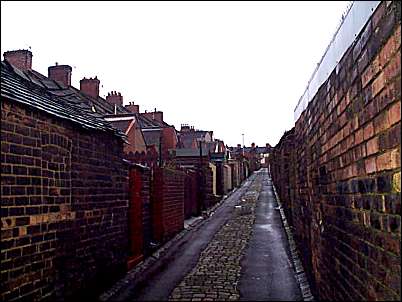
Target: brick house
[(127, 118), (64, 188), (255, 156), (146, 132), (190, 138)]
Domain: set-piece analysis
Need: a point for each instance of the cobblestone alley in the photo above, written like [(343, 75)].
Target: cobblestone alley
[(239, 253)]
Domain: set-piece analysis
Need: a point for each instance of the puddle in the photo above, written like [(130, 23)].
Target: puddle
[(267, 227)]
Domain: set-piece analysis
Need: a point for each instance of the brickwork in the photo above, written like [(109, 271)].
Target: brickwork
[(283, 171), (210, 198), (63, 208), (146, 209), (21, 58), (167, 203), (346, 183), (135, 208)]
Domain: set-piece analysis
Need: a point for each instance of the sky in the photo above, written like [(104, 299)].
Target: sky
[(231, 67)]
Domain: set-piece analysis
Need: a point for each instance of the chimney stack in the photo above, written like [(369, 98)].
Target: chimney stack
[(155, 115), (114, 97), (185, 128), (132, 108), (22, 58), (90, 87), (61, 74)]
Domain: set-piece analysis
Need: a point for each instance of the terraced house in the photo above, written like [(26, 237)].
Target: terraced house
[(78, 208)]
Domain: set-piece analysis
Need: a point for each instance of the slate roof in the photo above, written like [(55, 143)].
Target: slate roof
[(39, 93), (152, 137), (189, 152), (187, 138), (261, 150), (142, 121), (147, 123), (100, 104), (257, 150)]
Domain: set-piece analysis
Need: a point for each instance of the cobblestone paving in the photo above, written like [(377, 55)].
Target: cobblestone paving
[(217, 272)]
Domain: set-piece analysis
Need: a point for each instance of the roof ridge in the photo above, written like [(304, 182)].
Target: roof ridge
[(18, 88)]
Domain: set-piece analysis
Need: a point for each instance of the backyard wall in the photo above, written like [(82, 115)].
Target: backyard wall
[(63, 206), (343, 190)]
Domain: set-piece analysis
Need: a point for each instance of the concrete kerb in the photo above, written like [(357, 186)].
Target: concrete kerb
[(301, 278), (148, 262)]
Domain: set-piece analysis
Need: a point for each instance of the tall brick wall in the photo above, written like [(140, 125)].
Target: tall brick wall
[(146, 209), (208, 198), (63, 206), (345, 190), (283, 172), (167, 203), (135, 216)]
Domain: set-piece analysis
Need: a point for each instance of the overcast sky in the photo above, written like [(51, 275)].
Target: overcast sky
[(230, 67)]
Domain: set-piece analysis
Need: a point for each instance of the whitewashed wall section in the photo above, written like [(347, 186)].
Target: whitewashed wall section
[(353, 22)]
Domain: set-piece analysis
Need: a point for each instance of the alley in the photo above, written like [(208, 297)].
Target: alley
[(238, 253)]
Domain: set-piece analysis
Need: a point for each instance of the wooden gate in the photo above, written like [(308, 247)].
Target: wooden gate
[(135, 229)]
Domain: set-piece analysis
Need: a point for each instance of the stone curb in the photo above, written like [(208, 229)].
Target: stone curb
[(300, 275)]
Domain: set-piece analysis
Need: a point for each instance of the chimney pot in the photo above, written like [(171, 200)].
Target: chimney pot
[(22, 58)]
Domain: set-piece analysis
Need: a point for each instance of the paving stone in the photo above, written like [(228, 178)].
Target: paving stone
[(219, 264)]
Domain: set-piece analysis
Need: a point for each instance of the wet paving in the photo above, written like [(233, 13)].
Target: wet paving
[(239, 253), (267, 273)]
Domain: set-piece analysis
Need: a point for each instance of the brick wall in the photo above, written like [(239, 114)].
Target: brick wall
[(346, 156), (283, 173), (146, 209), (191, 161), (135, 217), (167, 203), (208, 195), (63, 208)]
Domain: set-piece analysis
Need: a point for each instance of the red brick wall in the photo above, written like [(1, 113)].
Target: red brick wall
[(283, 173), (191, 161), (167, 203), (169, 140), (146, 209), (209, 198), (135, 222), (346, 156), (63, 208)]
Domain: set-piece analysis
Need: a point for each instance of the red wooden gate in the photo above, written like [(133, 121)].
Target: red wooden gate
[(135, 229)]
